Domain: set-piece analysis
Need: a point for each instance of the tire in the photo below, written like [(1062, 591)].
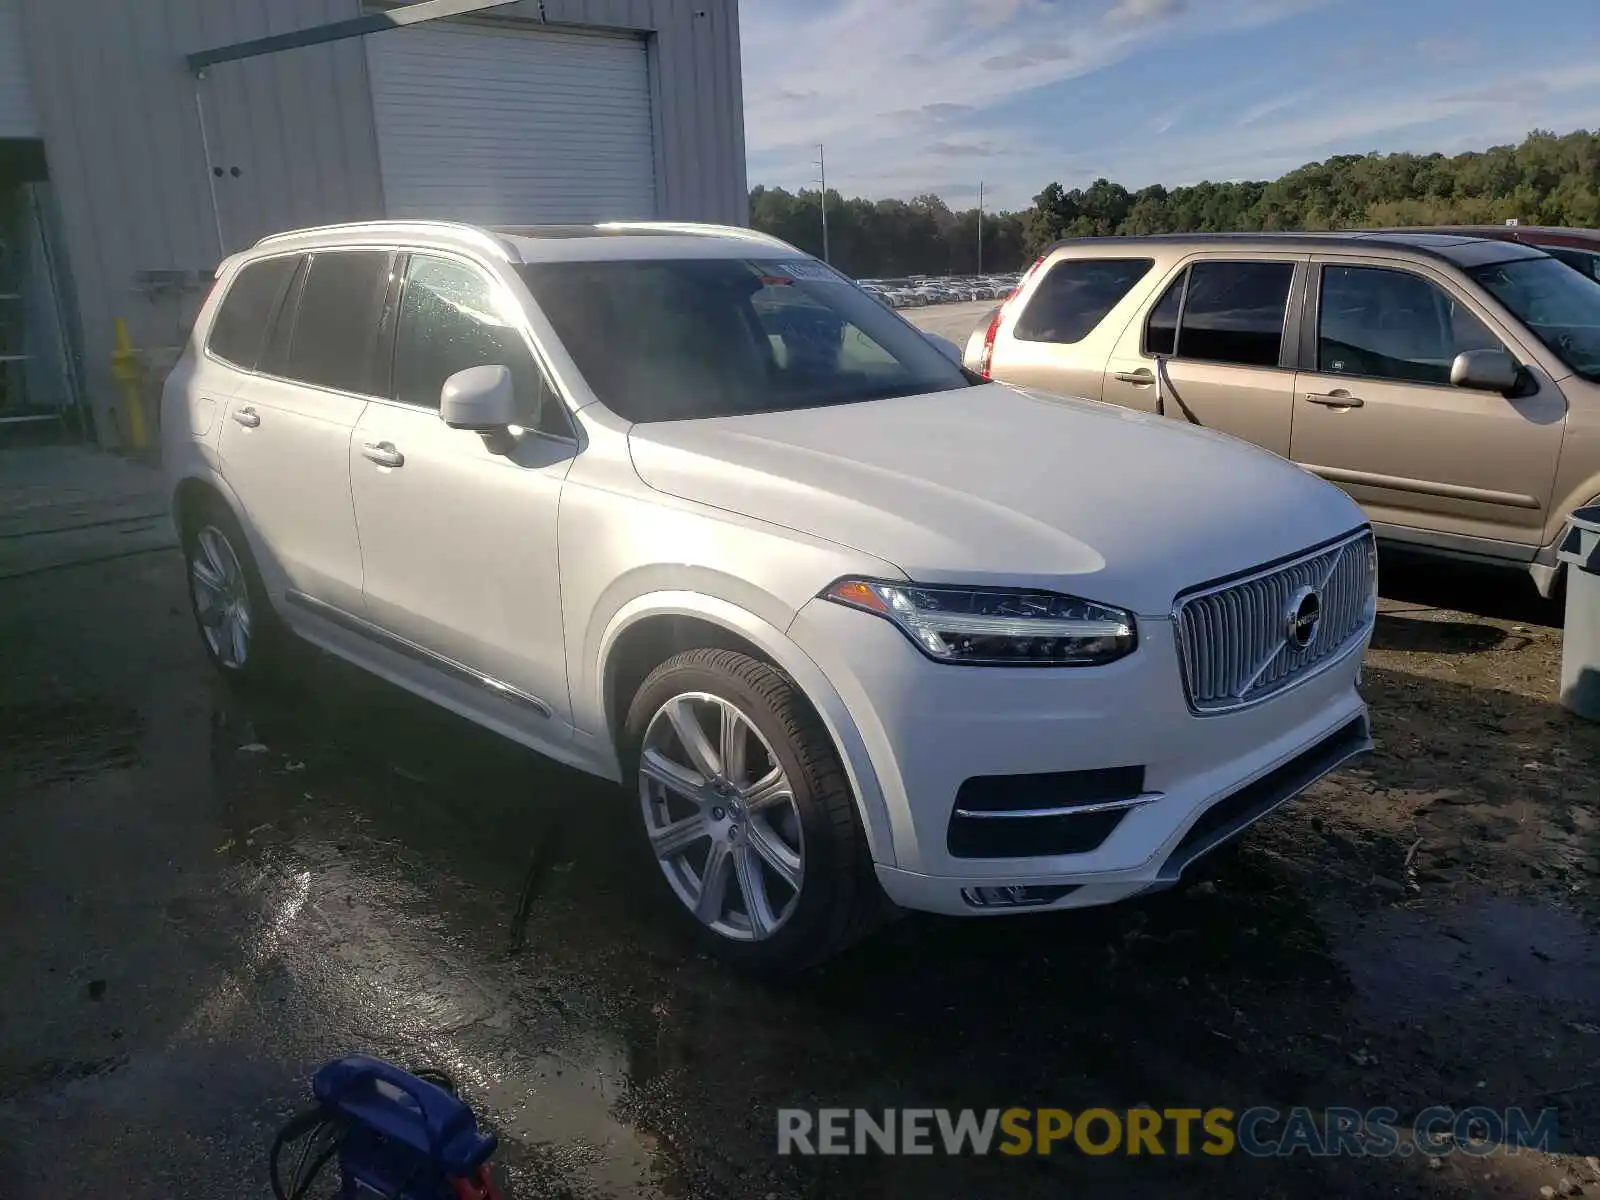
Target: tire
[(223, 583), (769, 833)]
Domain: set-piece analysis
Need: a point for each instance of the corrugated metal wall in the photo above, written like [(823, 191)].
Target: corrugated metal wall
[(293, 134), (17, 118)]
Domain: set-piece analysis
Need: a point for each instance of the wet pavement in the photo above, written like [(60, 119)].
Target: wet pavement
[(203, 896)]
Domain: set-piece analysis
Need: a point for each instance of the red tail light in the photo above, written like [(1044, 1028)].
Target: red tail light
[(988, 339), (993, 331)]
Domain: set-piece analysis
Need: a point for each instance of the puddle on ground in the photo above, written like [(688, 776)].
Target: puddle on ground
[(1407, 962), (67, 737)]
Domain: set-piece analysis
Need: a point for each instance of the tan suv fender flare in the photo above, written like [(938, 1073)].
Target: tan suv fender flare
[(793, 661)]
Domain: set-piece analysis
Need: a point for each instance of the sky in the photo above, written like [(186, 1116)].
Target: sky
[(913, 96)]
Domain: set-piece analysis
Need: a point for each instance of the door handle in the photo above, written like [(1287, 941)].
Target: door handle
[(383, 453), (1334, 399), (248, 417), (1143, 377)]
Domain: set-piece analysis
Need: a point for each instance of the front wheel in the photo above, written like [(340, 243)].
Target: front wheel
[(747, 812)]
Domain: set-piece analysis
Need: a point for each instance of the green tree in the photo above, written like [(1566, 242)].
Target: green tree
[(1547, 179)]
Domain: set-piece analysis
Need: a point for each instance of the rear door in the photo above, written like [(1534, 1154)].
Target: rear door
[(1375, 411), (1214, 350), (286, 439)]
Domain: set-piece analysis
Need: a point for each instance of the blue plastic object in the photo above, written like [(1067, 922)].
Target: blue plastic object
[(405, 1138)]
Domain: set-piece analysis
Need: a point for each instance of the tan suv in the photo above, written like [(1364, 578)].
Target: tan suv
[(1450, 384)]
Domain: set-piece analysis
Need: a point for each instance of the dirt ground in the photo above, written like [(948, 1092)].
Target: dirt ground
[(203, 896)]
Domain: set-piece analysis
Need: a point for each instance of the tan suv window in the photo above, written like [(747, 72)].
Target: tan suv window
[(1387, 324), (1076, 296), (1227, 312)]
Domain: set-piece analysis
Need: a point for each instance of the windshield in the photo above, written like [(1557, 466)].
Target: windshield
[(1586, 261), (678, 339), (1560, 305)]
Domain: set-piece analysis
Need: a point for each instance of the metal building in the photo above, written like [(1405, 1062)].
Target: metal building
[(126, 173)]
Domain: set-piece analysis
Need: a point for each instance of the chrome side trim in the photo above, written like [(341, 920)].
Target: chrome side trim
[(409, 649), (1070, 810), (1424, 487)]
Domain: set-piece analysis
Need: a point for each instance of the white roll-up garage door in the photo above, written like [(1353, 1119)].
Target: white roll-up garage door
[(501, 125), (18, 118)]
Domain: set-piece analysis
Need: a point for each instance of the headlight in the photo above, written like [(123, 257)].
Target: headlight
[(996, 627)]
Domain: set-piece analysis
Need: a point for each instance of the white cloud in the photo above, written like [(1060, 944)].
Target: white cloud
[(904, 93), (831, 77)]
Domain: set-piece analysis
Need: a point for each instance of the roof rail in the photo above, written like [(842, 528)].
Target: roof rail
[(500, 247), (693, 227)]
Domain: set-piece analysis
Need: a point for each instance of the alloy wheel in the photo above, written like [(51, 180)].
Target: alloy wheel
[(721, 817), (221, 597)]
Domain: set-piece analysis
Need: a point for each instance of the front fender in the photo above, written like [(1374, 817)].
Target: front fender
[(793, 661)]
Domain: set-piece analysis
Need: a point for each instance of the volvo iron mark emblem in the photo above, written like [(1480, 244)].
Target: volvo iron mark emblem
[(1304, 618)]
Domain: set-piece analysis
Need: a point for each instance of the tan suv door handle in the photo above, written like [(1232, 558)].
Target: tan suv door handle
[(1143, 377), (248, 417), (383, 453), (1334, 399)]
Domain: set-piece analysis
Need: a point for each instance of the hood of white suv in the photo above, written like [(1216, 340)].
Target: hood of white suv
[(1004, 487)]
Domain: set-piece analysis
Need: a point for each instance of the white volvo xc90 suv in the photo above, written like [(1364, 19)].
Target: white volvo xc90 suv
[(686, 509)]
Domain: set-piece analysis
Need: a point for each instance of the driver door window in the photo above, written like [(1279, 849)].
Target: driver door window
[(452, 317), (1377, 323)]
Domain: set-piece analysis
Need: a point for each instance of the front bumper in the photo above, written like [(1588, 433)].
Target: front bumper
[(928, 727)]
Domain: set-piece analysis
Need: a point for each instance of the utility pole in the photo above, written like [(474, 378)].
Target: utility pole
[(822, 166), (980, 227)]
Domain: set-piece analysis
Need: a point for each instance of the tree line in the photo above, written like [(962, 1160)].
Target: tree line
[(1545, 180)]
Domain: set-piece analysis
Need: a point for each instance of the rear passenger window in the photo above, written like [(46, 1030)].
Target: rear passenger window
[(337, 320), (453, 317), (1227, 312), (240, 327), (1234, 312), (1076, 296)]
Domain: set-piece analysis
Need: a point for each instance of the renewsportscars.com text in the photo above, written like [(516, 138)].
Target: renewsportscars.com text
[(1257, 1132)]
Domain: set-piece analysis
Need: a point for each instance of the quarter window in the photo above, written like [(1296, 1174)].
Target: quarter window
[(337, 320), (452, 318), (1075, 296), (1387, 324), (1227, 312), (1161, 332), (240, 327)]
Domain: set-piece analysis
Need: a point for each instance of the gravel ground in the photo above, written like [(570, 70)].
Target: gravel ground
[(205, 896), (954, 321)]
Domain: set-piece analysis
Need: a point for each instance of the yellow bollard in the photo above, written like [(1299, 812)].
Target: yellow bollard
[(128, 367)]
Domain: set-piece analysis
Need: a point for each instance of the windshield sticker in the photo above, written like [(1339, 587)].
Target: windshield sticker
[(801, 270)]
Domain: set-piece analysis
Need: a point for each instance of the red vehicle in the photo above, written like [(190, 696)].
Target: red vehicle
[(1578, 248)]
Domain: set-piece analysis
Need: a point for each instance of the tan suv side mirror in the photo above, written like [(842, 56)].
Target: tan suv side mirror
[(1484, 371)]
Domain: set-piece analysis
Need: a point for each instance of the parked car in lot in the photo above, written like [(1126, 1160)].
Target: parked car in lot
[(1578, 248), (1450, 384), (685, 509)]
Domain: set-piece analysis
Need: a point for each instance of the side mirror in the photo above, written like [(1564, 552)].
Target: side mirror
[(483, 400), (1485, 371)]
